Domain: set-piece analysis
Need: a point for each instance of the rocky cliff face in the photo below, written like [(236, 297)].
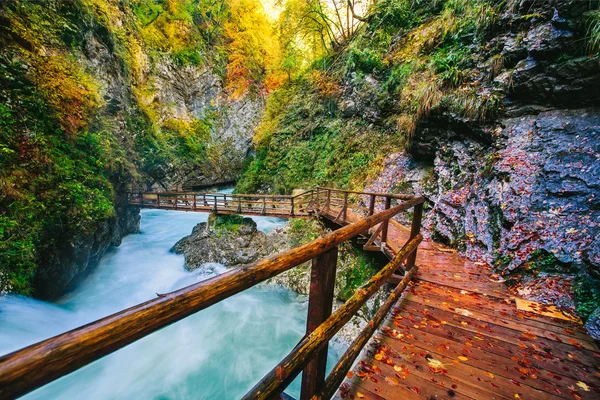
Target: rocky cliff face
[(196, 93), (520, 192), (94, 96), (487, 108)]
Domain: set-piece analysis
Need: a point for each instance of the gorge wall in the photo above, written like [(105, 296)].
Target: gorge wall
[(96, 96), (487, 108)]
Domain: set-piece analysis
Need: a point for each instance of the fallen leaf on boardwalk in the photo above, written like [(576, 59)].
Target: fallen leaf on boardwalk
[(490, 375), (392, 381), (360, 395), (350, 374), (462, 358), (397, 368), (464, 323), (464, 312), (378, 356), (583, 386), (517, 396)]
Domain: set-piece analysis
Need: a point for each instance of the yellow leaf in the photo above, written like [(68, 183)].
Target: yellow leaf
[(360, 395), (583, 386), (392, 381), (435, 363), (397, 368), (462, 358), (378, 356)]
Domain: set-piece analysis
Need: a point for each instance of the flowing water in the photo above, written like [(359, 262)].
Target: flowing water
[(217, 353)]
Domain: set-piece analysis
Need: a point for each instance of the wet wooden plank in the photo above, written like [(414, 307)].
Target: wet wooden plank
[(491, 365), (525, 353)]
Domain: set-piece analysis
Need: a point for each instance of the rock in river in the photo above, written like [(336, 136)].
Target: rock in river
[(230, 240)]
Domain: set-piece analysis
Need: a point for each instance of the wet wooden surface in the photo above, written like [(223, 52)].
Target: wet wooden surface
[(456, 333)]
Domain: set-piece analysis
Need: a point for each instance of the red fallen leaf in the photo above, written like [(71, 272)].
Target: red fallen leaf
[(350, 374), (416, 389), (494, 385), (454, 386), (515, 382), (373, 379)]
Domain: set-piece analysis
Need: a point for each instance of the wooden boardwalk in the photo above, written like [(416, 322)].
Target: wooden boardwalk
[(456, 333)]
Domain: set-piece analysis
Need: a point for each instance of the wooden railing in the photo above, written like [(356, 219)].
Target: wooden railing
[(27, 369), (248, 204)]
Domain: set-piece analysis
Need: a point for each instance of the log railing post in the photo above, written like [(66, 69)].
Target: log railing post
[(239, 207), (317, 202), (345, 212), (157, 200), (320, 303), (415, 229), (215, 205), (194, 201), (292, 212), (371, 204), (386, 223), (225, 200), (328, 200), (204, 199), (176, 199)]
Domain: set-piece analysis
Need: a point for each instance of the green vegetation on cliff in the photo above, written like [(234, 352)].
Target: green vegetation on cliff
[(84, 111)]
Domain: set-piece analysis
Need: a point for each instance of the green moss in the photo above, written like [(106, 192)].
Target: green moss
[(360, 267), (587, 295)]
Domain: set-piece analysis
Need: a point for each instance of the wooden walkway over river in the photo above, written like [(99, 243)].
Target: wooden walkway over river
[(457, 333), (450, 329)]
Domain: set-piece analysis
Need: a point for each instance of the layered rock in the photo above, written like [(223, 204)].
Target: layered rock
[(228, 240)]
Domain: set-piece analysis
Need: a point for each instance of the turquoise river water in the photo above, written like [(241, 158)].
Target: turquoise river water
[(218, 353)]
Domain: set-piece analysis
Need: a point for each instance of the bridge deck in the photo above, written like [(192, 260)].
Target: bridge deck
[(457, 334)]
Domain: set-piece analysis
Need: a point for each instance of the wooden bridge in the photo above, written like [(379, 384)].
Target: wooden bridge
[(448, 330)]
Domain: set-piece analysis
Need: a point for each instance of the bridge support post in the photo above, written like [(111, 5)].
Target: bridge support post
[(414, 231), (371, 204), (320, 303), (292, 211), (386, 223)]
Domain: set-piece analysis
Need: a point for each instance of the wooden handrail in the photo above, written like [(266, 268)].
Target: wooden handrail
[(27, 369), (390, 195), (282, 375)]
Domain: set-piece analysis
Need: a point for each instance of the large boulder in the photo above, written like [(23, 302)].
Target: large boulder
[(230, 240)]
